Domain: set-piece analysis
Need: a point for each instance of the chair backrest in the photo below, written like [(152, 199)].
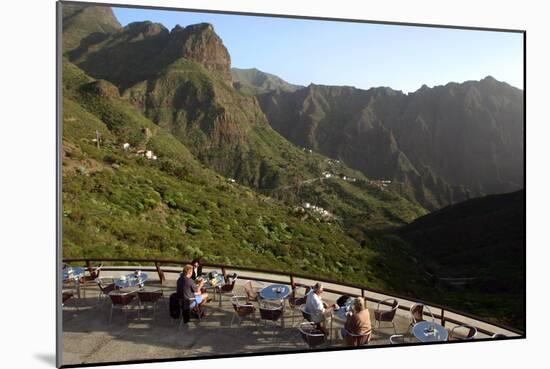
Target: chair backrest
[(294, 300), (353, 339), (241, 306), (311, 335), (230, 285), (67, 294), (386, 315), (307, 316), (250, 294), (149, 296), (95, 273), (122, 298), (397, 339), (106, 285), (272, 313), (417, 313), (470, 335)]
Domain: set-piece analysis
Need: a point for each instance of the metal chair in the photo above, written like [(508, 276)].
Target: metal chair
[(396, 339), (67, 294), (229, 286), (106, 286), (470, 334), (121, 301), (149, 297), (417, 313), (386, 315), (87, 281), (272, 311), (295, 302), (243, 308), (305, 314), (354, 339), (187, 312), (311, 335)]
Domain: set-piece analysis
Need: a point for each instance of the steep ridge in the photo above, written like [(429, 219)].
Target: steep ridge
[(117, 202), (187, 90), (439, 146)]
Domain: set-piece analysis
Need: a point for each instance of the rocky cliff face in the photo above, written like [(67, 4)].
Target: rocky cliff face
[(202, 45), (438, 145), (140, 49)]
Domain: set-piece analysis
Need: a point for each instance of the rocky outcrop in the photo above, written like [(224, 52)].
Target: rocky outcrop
[(202, 45)]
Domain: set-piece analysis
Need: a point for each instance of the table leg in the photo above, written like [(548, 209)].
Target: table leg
[(331, 330)]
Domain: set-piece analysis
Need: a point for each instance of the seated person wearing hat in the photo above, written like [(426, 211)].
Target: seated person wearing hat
[(316, 308)]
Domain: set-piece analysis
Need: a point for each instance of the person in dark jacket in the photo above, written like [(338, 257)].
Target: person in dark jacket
[(197, 268)]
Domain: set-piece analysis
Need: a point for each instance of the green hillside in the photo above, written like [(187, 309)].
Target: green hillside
[(118, 204), (164, 158)]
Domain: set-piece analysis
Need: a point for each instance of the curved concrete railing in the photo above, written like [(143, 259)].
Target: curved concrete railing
[(447, 316)]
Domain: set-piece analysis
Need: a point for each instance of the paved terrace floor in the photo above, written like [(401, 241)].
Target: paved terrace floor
[(89, 338)]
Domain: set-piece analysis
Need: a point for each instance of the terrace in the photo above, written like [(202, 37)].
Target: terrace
[(89, 338)]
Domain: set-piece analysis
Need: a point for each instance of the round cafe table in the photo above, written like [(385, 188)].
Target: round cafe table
[(215, 284), (270, 292), (73, 273), (131, 280), (420, 331)]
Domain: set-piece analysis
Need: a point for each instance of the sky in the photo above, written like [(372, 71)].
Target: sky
[(363, 55)]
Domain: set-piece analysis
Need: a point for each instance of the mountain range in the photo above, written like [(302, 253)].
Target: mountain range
[(169, 152), (438, 145)]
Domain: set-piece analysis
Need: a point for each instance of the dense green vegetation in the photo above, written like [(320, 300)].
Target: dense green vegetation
[(225, 186), (117, 204)]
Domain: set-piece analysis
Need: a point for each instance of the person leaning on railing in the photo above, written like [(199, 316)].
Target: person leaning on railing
[(357, 321), (317, 309)]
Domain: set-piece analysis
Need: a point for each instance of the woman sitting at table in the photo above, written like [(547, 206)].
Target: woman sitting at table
[(317, 309), (197, 268), (357, 322)]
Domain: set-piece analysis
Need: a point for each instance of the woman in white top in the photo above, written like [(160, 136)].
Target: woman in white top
[(316, 308)]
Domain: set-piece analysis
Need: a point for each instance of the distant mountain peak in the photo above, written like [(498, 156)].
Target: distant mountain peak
[(255, 81), (82, 20), (200, 43)]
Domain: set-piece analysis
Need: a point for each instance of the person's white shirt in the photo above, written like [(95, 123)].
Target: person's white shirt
[(314, 306)]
